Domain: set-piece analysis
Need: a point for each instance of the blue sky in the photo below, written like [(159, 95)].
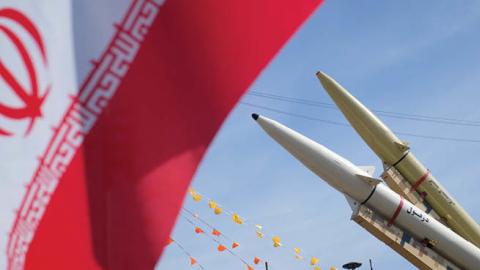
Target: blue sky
[(403, 56)]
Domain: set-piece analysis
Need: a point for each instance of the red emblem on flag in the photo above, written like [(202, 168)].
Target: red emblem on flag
[(31, 97)]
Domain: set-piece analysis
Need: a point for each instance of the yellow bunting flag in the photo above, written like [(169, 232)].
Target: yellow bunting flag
[(221, 248), (235, 244), (196, 197), (333, 268), (258, 226), (259, 234), (216, 232), (256, 260), (198, 230), (297, 253), (212, 204), (237, 219), (314, 261), (193, 261), (317, 268), (276, 241), (217, 210)]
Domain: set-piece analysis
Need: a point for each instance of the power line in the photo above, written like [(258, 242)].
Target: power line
[(186, 252), (391, 114), (347, 125)]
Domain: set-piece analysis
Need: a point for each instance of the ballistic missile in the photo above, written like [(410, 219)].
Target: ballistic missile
[(396, 153), (361, 187)]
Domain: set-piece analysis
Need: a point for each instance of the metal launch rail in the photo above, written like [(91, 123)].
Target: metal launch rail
[(417, 253)]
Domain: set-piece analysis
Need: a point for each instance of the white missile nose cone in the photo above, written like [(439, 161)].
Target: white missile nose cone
[(263, 121)]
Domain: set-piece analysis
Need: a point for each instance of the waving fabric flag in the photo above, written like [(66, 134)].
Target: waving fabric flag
[(106, 109)]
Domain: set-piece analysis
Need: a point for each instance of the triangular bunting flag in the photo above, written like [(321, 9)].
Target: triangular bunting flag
[(212, 204), (276, 241), (217, 210), (237, 219), (221, 248)]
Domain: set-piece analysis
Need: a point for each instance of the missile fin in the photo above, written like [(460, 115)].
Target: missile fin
[(352, 203), (403, 146), (370, 180), (370, 170)]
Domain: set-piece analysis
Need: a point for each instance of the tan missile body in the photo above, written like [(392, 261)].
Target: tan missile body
[(393, 152)]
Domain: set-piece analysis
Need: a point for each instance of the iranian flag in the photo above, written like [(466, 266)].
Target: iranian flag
[(106, 109)]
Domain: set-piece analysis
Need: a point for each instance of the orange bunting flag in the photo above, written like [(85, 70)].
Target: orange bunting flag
[(256, 260), (237, 219), (235, 244), (198, 230), (212, 204), (314, 261), (276, 241), (221, 248), (193, 261), (259, 234), (169, 241), (249, 267), (216, 232), (217, 210)]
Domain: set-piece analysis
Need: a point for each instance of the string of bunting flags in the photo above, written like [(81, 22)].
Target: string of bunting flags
[(215, 231), (256, 260), (220, 246), (218, 209), (193, 261)]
